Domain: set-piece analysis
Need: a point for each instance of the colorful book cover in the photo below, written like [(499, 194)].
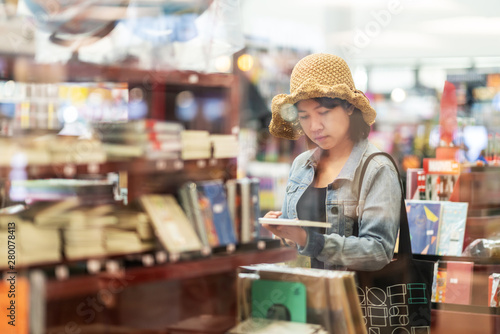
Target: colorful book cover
[(452, 228), (439, 295), (423, 218), (216, 194), (206, 213), (441, 176), (170, 223), (289, 306)]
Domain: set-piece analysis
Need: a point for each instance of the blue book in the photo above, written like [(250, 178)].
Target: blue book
[(424, 218), (216, 194)]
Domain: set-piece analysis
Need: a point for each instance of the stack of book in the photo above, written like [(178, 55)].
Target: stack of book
[(121, 241), (21, 152), (196, 144), (33, 244), (321, 297), (136, 221), (146, 138), (37, 245), (132, 233), (224, 146), (51, 214), (71, 149), (84, 235)]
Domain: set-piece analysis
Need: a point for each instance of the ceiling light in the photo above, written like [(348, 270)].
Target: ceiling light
[(398, 95)]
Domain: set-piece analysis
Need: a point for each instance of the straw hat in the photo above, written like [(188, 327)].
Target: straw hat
[(317, 75)]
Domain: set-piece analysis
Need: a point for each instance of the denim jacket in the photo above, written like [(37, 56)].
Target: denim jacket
[(378, 211)]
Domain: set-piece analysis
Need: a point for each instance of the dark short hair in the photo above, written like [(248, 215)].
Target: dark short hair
[(358, 129)]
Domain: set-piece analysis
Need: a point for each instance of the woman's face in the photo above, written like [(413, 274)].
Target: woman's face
[(326, 127)]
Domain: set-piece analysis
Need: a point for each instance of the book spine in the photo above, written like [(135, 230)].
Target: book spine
[(222, 220), (198, 218), (186, 205), (206, 213), (245, 211), (255, 197), (231, 204)]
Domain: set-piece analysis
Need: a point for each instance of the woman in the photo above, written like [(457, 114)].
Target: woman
[(323, 182)]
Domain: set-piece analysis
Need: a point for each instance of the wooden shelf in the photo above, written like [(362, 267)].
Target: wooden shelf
[(215, 264), (76, 71), (477, 260), (479, 309), (445, 321), (135, 166)]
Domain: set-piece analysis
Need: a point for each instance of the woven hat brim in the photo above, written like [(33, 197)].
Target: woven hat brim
[(308, 90)]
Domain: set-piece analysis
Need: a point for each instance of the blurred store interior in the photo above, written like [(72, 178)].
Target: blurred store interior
[(215, 65)]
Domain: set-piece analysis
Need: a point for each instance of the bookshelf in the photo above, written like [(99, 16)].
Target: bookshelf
[(479, 187), (148, 290)]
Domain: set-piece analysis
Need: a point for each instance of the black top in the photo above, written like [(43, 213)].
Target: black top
[(311, 206)]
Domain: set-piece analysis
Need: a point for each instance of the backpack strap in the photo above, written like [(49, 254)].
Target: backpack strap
[(404, 229)]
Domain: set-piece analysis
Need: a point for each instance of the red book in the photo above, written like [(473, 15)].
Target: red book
[(459, 282)]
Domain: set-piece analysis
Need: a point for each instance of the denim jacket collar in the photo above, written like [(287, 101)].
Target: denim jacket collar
[(351, 164)]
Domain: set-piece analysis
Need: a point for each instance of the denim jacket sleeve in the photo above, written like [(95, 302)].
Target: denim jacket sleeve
[(284, 207), (379, 210)]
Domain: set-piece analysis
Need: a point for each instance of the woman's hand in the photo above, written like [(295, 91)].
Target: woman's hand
[(295, 234), (273, 214)]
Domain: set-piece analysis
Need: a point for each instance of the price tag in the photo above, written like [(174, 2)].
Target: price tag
[(93, 168), (206, 251), (69, 170), (230, 248), (161, 165), (112, 266), (174, 257), (148, 260), (61, 272), (193, 79), (161, 257), (93, 266), (178, 164)]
